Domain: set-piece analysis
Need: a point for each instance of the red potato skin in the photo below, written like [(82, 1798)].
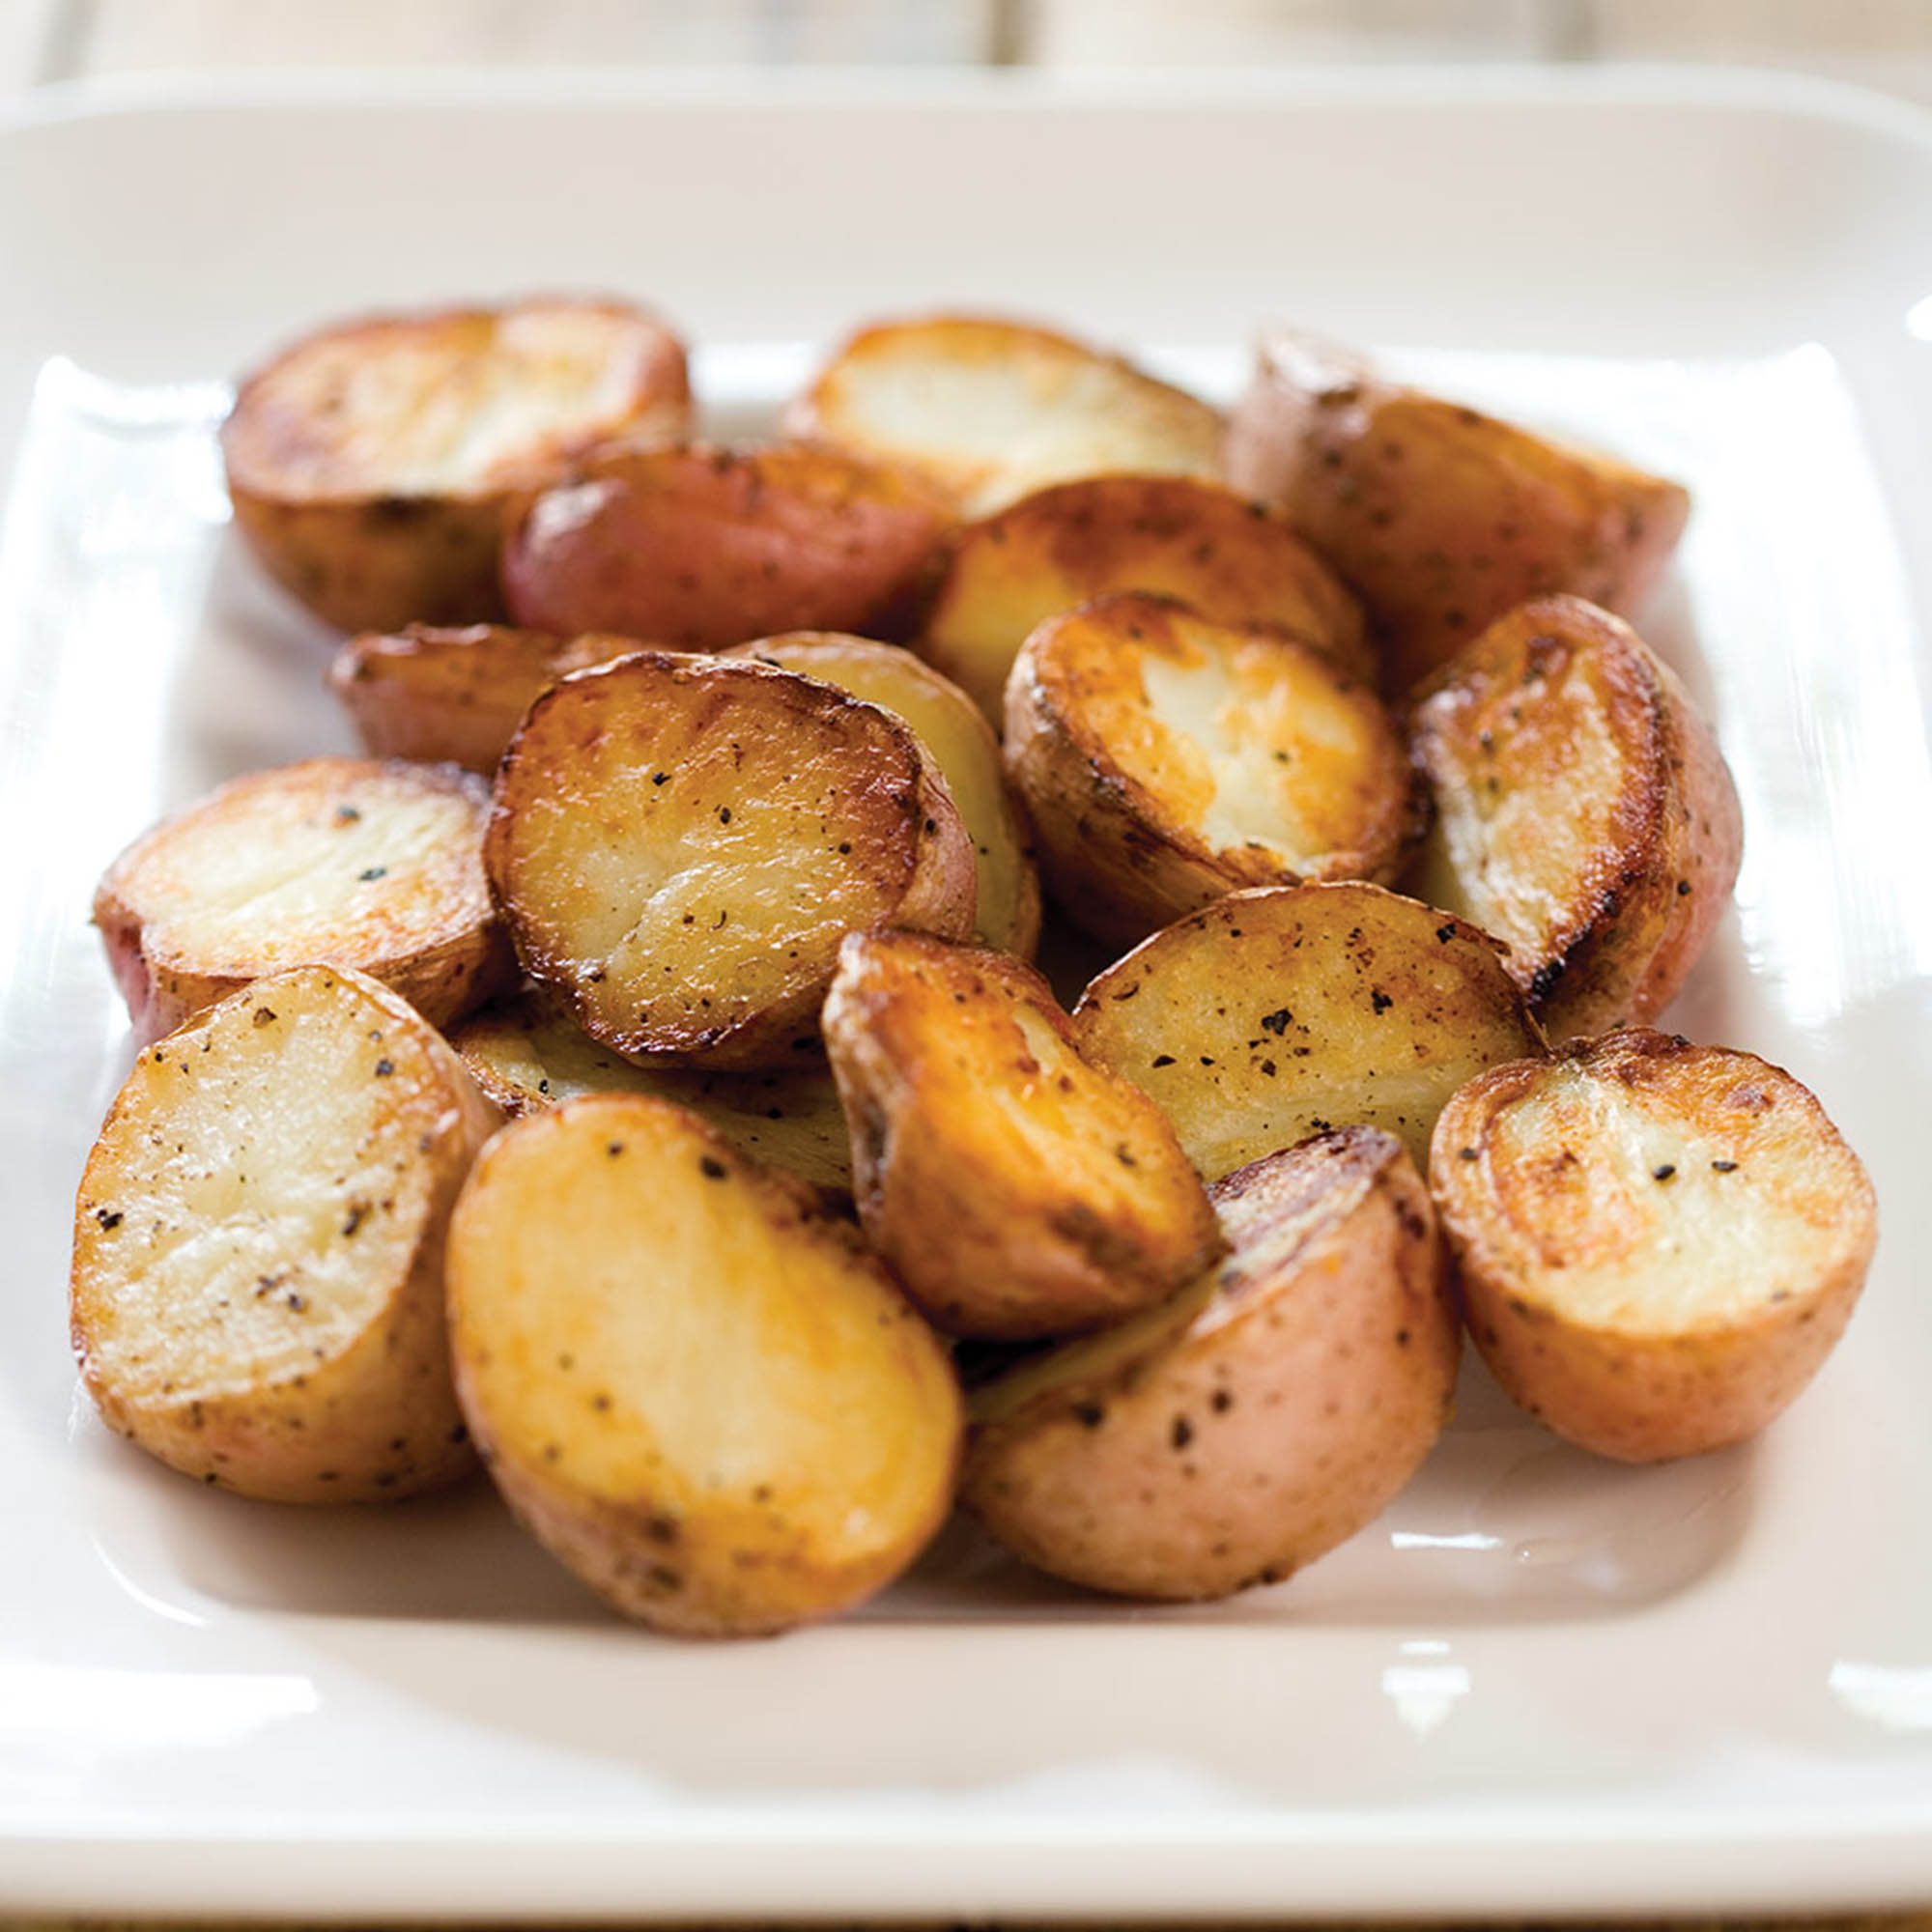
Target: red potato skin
[(700, 548)]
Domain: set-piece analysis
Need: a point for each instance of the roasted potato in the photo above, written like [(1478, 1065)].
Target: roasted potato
[(944, 722), (1234, 1434), (454, 697), (338, 862), (1658, 1243), (1015, 1190), (1440, 517), (697, 549), (1584, 815), (525, 1060), (1166, 761), (680, 844), (1232, 561), (990, 409), (370, 466), (258, 1245), (1277, 1014), (705, 1397)]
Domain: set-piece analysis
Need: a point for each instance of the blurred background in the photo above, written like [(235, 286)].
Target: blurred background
[(1882, 43)]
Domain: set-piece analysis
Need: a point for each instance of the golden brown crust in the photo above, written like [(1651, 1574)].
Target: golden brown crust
[(680, 844), (990, 409), (702, 548), (454, 697), (257, 1278), (1584, 812), (1017, 1191), (1438, 517), (1166, 761), (1659, 1243), (1231, 560), (1236, 1436), (343, 862)]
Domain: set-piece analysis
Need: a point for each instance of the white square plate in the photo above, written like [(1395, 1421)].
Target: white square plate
[(1539, 1684)]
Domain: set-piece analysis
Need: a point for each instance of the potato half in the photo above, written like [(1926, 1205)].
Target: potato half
[(454, 697), (680, 844), (1440, 517), (1229, 559), (945, 720), (1234, 1434), (698, 1393), (1584, 815), (258, 1246), (1659, 1243), (371, 465), (1166, 761), (991, 409), (1017, 1191), (525, 1060), (1278, 1013), (697, 549), (339, 862)]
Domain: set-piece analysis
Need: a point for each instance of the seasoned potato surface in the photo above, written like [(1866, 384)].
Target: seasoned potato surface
[(1658, 1243), (704, 1396), (342, 862), (257, 1286)]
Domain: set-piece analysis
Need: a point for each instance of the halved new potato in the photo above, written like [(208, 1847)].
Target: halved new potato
[(454, 697), (680, 844), (700, 1393), (1659, 1243), (1231, 560), (525, 1060), (697, 549), (1437, 517), (1166, 761), (990, 409), (946, 722), (1274, 1014), (339, 862), (1015, 1190), (258, 1247), (1584, 815), (371, 465), (1234, 1434)]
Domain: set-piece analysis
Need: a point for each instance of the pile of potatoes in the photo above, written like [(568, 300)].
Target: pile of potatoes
[(631, 1074)]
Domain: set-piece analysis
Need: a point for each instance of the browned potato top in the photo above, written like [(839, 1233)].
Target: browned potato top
[(454, 697), (455, 402), (1231, 560), (990, 409), (680, 844), (699, 547)]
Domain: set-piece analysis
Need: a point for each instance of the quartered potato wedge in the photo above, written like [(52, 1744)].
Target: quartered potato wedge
[(1234, 1434), (946, 722), (680, 844), (1015, 1190), (342, 862), (991, 409), (704, 1396), (698, 548), (1230, 559), (454, 697), (1659, 1243), (525, 1060), (1440, 517), (258, 1249), (371, 465), (1584, 815), (1167, 760), (1278, 1013)]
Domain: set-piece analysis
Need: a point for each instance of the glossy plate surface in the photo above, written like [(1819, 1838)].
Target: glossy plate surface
[(1538, 1685)]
